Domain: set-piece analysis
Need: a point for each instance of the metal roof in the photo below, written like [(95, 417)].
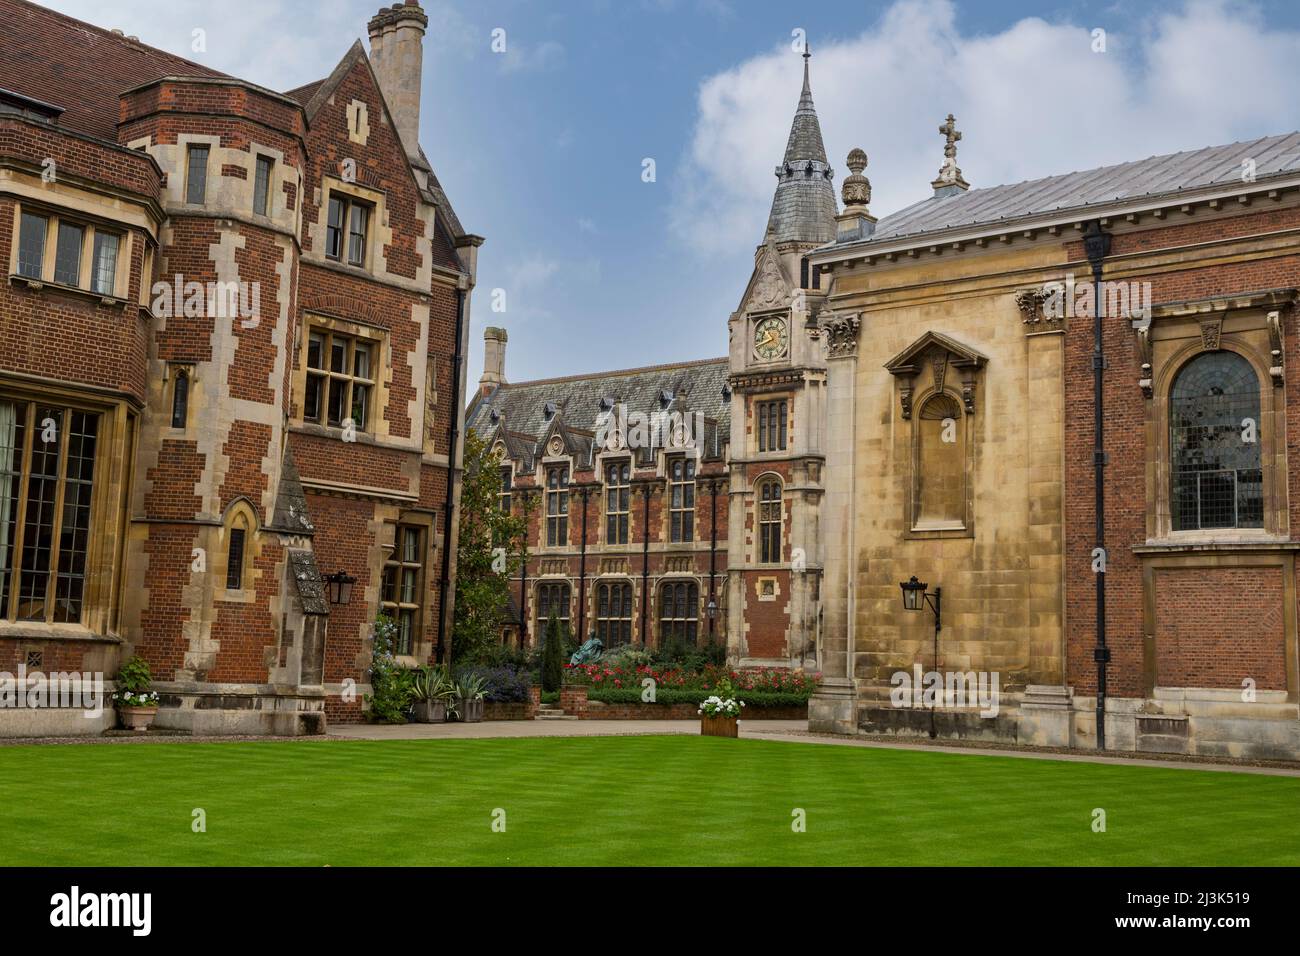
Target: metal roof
[(1155, 176)]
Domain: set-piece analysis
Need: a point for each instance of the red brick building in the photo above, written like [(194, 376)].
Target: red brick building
[(625, 478), (230, 366)]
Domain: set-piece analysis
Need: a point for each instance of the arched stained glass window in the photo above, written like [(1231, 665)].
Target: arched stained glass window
[(1214, 434)]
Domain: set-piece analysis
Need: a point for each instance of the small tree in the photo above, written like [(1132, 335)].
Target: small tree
[(553, 656), (492, 547)]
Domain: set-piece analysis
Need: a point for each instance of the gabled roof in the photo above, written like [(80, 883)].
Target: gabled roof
[(1156, 176), (80, 67)]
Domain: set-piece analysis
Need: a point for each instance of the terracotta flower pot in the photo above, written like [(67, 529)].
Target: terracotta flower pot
[(138, 719), (719, 726)]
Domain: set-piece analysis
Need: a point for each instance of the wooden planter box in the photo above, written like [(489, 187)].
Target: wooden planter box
[(138, 719), (429, 711), (720, 726)]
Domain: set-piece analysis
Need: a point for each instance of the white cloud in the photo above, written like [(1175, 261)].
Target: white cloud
[(531, 57), (1032, 100), (279, 44)]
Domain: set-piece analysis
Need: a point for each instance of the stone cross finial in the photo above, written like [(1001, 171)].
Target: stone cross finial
[(949, 173)]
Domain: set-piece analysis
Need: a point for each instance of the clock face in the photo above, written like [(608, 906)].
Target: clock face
[(770, 338)]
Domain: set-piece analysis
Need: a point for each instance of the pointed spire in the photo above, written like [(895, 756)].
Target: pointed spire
[(803, 209)]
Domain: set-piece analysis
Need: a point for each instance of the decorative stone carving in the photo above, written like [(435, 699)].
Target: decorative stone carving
[(949, 172), (840, 334), (1211, 332), (1143, 333), (770, 288), (939, 362), (856, 188), (941, 352), (1276, 364)]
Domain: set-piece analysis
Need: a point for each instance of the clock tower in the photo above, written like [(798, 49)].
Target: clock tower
[(778, 429)]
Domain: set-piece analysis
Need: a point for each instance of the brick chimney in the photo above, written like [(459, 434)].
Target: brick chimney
[(494, 359), (397, 55)]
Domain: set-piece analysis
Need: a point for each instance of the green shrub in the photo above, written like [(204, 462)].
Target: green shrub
[(673, 695), (134, 677), (553, 655), (392, 686)]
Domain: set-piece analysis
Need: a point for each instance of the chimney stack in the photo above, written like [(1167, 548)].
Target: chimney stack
[(494, 359), (397, 55)]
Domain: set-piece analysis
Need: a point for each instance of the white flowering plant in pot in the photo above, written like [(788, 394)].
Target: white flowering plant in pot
[(137, 704), (716, 706), (723, 702)]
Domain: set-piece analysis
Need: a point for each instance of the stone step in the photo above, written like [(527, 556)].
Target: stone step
[(555, 715)]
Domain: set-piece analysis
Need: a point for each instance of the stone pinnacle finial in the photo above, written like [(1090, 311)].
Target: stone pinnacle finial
[(950, 179), (856, 188)]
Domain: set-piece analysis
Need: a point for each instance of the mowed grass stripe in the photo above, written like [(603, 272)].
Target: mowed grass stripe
[(641, 801)]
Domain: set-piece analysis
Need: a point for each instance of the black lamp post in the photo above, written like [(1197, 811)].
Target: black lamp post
[(340, 586), (915, 596)]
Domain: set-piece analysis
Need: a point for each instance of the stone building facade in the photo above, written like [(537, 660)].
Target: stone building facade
[(961, 358), (230, 347)]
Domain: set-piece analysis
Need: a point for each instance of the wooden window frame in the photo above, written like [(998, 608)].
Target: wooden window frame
[(618, 501), (339, 238), (606, 622), (764, 507), (327, 376), (399, 564), (56, 221), (681, 514), (672, 627), (12, 593), (262, 197), (556, 531)]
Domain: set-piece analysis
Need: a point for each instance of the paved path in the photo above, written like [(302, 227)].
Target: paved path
[(791, 731)]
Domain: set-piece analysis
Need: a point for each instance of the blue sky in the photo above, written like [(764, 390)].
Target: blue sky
[(541, 147)]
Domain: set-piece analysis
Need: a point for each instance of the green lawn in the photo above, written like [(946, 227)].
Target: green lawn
[(622, 800)]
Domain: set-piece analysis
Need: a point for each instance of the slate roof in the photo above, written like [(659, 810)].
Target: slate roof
[(522, 407), (307, 580), (803, 208), (291, 514), (1156, 176), (80, 67)]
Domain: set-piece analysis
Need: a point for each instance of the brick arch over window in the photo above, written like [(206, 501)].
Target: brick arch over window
[(346, 308)]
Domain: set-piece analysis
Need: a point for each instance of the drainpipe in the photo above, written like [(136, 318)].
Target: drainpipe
[(645, 561), (453, 437), (582, 569), (713, 551), (523, 581), (1096, 245)]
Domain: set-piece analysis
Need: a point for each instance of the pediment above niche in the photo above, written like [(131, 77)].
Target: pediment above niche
[(937, 360), (770, 287)]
